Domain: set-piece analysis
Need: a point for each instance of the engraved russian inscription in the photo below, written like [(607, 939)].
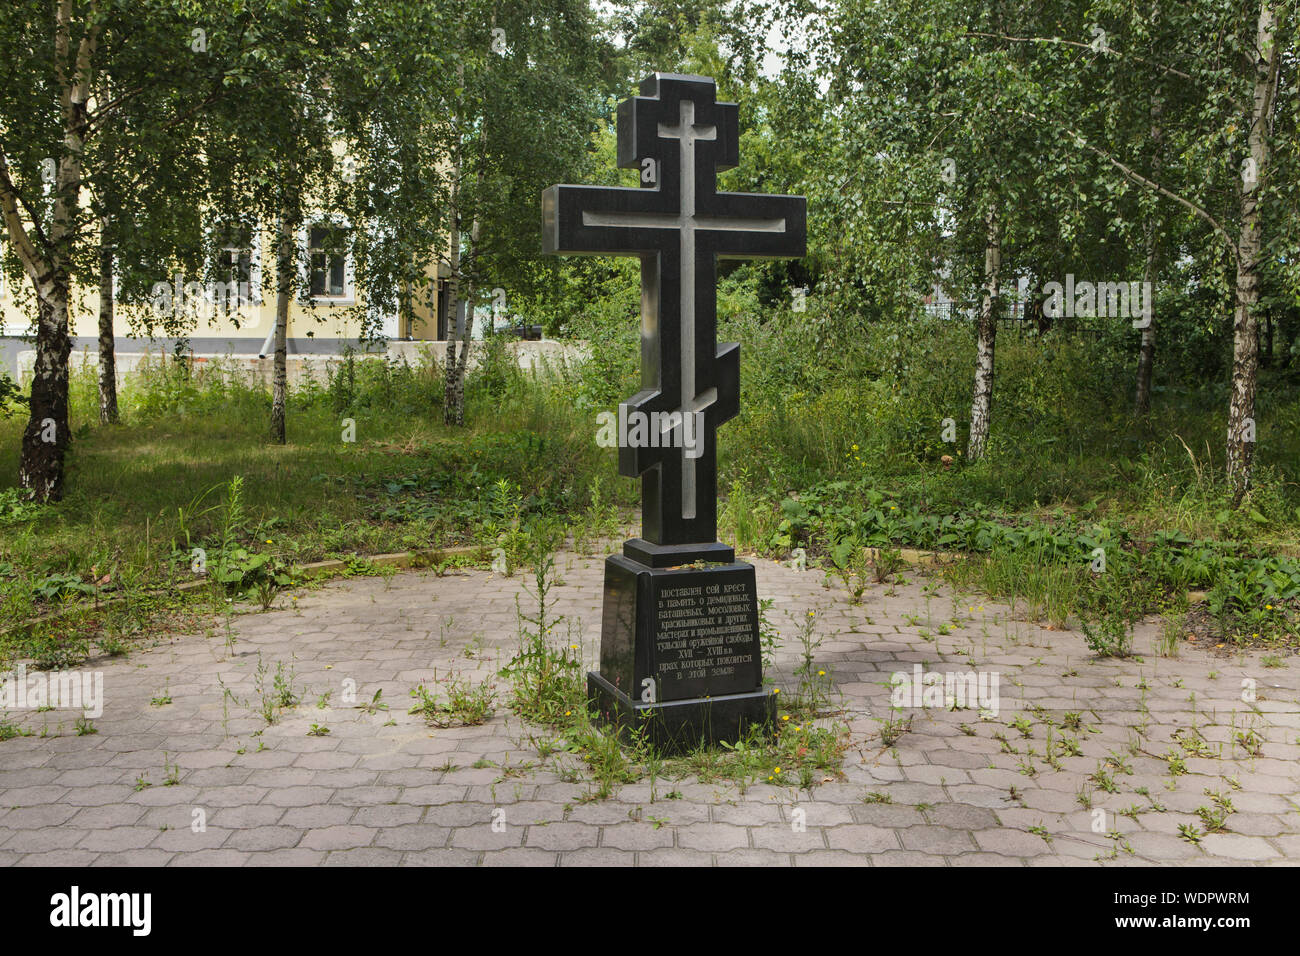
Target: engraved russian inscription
[(706, 635)]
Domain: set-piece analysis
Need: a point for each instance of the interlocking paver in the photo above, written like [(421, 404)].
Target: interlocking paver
[(68, 857), (47, 839), (363, 856), (293, 857), (713, 837), (338, 838), (1013, 843), (387, 815), (521, 856), (119, 838), (942, 840), (1238, 847), (655, 858), (265, 838), (222, 857), (383, 787), (786, 839), (413, 837), (862, 838)]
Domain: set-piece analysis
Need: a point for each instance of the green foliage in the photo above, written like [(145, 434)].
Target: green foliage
[(166, 390), (277, 696), (549, 688), (16, 508), (1044, 561), (1108, 622), (54, 587), (546, 672), (11, 398), (464, 704), (376, 383)]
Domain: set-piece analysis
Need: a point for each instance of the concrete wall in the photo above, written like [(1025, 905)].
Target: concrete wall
[(309, 358)]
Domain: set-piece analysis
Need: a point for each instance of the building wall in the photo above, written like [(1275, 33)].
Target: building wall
[(237, 326)]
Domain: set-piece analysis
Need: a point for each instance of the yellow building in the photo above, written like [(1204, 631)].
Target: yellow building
[(233, 313)]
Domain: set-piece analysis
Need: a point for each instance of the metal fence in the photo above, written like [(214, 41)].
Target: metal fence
[(1020, 315)]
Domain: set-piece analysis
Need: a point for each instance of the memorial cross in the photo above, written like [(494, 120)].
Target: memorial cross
[(678, 136)]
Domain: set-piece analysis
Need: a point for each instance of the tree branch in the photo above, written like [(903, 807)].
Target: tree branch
[(1138, 178), (35, 264), (1077, 43)]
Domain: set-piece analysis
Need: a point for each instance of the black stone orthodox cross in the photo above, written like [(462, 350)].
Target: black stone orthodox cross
[(678, 137)]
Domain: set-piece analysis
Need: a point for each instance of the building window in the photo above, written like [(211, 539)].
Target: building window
[(233, 269), (326, 247), (235, 264)]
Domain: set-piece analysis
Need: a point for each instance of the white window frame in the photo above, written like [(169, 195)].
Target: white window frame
[(349, 296), (254, 271)]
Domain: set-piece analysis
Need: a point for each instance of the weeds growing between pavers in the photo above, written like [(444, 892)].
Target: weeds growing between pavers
[(455, 701), (548, 688), (1091, 734)]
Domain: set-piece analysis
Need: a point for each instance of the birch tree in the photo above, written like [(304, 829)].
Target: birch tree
[(46, 241), (54, 111), (927, 158), (1217, 68), (519, 121)]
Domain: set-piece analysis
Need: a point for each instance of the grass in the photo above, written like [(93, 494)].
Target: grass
[(1030, 581), (143, 496), (834, 457), (461, 703)]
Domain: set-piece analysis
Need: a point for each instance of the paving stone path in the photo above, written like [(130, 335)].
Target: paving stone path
[(383, 788)]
